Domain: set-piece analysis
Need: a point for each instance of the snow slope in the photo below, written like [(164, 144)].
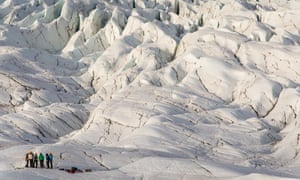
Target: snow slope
[(156, 89)]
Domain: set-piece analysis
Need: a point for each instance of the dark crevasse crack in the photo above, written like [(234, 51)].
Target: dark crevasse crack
[(96, 160)]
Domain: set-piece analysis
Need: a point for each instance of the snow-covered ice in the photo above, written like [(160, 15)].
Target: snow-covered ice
[(156, 89)]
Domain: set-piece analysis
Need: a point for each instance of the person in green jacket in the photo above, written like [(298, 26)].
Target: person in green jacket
[(41, 159)]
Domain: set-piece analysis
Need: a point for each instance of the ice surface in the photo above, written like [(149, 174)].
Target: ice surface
[(157, 89)]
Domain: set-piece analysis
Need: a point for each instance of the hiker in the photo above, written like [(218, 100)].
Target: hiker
[(41, 158), (47, 160), (51, 160), (35, 158), (30, 158), (27, 159)]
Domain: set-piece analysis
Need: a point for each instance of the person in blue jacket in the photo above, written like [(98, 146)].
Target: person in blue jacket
[(47, 160), (51, 160)]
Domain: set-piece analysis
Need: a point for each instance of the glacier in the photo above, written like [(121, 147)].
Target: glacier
[(155, 89)]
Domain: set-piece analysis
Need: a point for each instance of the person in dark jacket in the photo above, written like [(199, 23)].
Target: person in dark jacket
[(41, 159), (47, 160), (27, 159), (35, 160)]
